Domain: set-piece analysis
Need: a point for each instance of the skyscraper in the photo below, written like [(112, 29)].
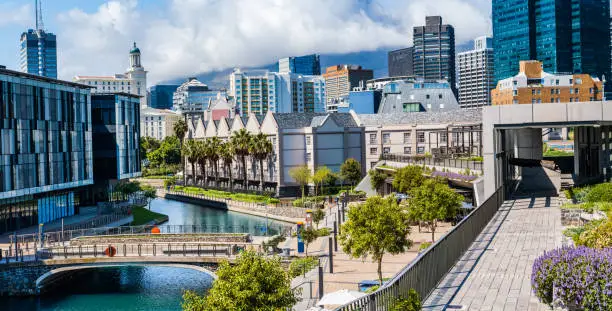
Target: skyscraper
[(304, 65), (38, 53), (400, 62), (434, 51), (161, 96), (566, 36), (340, 80), (476, 74)]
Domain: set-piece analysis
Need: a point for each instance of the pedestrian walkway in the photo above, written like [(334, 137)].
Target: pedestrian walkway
[(495, 273)]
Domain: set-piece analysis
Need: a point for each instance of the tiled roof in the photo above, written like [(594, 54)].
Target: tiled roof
[(452, 116), (308, 119)]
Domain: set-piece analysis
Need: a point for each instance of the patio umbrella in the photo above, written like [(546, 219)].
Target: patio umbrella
[(340, 297)]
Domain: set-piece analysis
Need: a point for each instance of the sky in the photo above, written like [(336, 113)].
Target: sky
[(179, 38)]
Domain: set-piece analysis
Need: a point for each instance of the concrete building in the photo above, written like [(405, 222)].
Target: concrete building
[(434, 51), (133, 81), (260, 91), (222, 107), (417, 96), (400, 62), (420, 133), (379, 83), (193, 97), (361, 101), (534, 86), (161, 96), (158, 123), (476, 74), (46, 157), (38, 49), (309, 65), (340, 80)]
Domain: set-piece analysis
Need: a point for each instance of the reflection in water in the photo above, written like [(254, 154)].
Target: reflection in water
[(117, 288)]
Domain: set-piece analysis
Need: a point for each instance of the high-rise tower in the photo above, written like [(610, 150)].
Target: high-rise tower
[(38, 48)]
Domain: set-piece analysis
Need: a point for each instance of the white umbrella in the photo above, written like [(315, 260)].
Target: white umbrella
[(340, 297)]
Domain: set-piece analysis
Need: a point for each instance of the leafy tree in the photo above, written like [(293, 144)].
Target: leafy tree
[(317, 216), (254, 283), (261, 148), (301, 175), (377, 179), (309, 234), (190, 151), (149, 193), (410, 303), (226, 152), (213, 148), (351, 171), (433, 201), (407, 178), (168, 152), (331, 179), (180, 128), (319, 176), (375, 228), (201, 158), (241, 140), (148, 144)]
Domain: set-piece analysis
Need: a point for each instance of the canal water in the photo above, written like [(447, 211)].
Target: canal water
[(141, 288)]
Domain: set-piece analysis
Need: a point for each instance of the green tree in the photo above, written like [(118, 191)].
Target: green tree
[(213, 149), (375, 228), (149, 193), (261, 148), (319, 176), (254, 283), (147, 145), (317, 216), (411, 303), (431, 202), (241, 140), (377, 179), (180, 128), (201, 158), (169, 152), (226, 153), (309, 234), (351, 171), (407, 178), (301, 175), (190, 151), (331, 179)]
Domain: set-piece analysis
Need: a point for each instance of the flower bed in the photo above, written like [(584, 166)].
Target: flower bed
[(451, 175), (578, 278)]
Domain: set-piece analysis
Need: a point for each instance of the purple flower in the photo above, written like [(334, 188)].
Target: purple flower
[(451, 175)]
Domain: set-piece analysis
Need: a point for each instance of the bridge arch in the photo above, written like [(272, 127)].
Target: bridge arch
[(54, 275)]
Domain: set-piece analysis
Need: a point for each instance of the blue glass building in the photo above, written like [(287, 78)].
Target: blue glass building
[(363, 102), (161, 96), (567, 36), (434, 51), (38, 54), (304, 65), (45, 148)]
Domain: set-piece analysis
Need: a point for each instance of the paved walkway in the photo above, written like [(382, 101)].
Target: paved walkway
[(495, 273)]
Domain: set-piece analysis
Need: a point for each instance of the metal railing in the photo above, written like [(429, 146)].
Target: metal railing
[(425, 272), (440, 162)]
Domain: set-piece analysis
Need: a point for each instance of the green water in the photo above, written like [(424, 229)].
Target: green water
[(151, 288)]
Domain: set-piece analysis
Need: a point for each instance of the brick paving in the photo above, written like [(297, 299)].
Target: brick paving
[(495, 273)]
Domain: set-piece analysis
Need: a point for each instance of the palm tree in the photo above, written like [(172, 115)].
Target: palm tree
[(213, 149), (190, 152), (241, 141), (226, 153), (180, 128), (201, 159), (261, 148)]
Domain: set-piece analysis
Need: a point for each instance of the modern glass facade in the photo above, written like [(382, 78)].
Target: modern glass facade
[(38, 55), (45, 147), (566, 36), (400, 62), (161, 96), (193, 97), (434, 51), (304, 65), (116, 136)]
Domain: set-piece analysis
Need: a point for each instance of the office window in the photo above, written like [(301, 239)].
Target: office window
[(421, 137), (407, 138), (386, 138), (420, 150), (372, 139), (571, 91), (577, 91), (407, 150), (440, 96), (308, 140), (386, 150), (373, 151), (443, 137), (427, 96)]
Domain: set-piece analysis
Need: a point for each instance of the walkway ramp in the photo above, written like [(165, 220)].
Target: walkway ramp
[(495, 272)]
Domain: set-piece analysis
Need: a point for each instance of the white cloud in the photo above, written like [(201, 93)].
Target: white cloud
[(10, 13), (193, 36)]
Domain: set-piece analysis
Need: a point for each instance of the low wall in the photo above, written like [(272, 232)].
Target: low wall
[(160, 238)]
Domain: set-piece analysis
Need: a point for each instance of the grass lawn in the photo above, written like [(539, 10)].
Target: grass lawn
[(142, 216)]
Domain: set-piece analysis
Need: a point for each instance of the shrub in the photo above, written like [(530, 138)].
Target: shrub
[(600, 193), (574, 276), (302, 265), (323, 232), (410, 303), (273, 201), (596, 234), (424, 246)]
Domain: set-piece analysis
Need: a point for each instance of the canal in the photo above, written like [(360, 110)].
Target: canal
[(142, 288)]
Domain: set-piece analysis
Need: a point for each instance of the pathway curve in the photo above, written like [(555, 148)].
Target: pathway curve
[(495, 273)]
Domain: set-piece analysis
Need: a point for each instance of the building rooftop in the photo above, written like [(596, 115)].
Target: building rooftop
[(312, 119), (20, 74), (457, 116)]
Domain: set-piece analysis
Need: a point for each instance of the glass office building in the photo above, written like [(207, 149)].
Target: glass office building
[(38, 54), (161, 96), (566, 36), (304, 65), (400, 62), (45, 148), (434, 51)]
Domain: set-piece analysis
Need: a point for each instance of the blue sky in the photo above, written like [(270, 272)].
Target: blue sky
[(184, 37)]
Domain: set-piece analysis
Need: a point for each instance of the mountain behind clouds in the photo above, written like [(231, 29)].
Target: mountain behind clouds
[(375, 60)]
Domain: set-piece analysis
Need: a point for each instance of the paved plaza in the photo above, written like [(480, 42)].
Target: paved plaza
[(495, 273)]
